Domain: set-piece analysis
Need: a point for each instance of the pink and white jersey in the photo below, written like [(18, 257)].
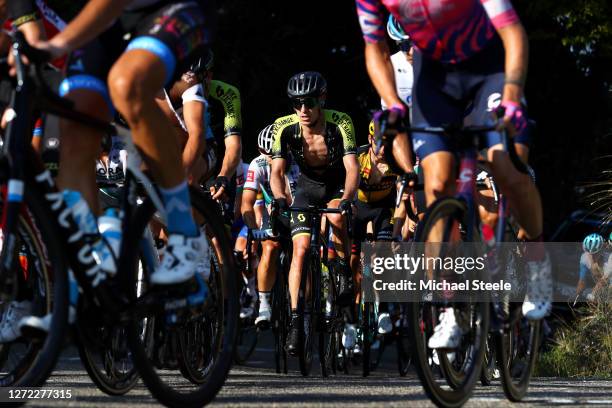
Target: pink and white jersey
[(446, 30)]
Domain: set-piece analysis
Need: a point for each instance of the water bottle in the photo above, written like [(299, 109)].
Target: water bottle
[(109, 226)]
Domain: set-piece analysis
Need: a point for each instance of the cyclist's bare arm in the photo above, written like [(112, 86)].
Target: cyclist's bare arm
[(194, 117), (278, 182), (399, 217), (517, 50), (380, 69), (231, 159), (247, 208), (95, 18), (352, 176)]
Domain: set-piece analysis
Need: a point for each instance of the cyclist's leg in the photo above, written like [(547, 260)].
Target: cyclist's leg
[(342, 243), (383, 231), (435, 101), (519, 189), (85, 84), (145, 67), (524, 202), (359, 232), (266, 275), (306, 193)]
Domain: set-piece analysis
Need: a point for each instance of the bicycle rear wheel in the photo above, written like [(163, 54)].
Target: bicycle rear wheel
[(202, 347), (488, 364), (516, 351), (40, 267), (247, 337), (104, 350), (280, 320), (368, 336), (447, 216), (403, 342)]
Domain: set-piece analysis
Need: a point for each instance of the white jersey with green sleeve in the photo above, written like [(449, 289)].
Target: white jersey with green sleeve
[(258, 177)]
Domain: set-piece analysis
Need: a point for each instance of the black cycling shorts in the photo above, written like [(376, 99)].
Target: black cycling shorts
[(177, 33), (380, 214), (311, 192)]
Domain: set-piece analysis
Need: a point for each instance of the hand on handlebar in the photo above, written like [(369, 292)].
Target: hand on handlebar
[(513, 117), (39, 52), (345, 206), (279, 221)]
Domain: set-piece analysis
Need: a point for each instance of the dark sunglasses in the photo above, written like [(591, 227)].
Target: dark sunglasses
[(308, 102)]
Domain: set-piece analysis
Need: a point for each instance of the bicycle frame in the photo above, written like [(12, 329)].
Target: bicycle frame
[(30, 95)]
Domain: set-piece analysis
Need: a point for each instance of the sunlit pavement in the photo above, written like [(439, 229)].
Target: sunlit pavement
[(258, 385)]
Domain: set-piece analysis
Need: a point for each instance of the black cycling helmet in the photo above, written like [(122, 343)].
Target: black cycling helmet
[(304, 84), (203, 63)]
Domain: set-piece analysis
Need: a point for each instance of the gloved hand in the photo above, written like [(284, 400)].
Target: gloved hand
[(345, 206), (514, 115)]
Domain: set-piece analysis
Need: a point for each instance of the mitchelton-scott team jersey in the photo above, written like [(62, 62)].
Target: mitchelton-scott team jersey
[(339, 139), (446, 30)]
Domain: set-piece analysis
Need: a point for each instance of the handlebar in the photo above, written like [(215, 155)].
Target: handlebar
[(275, 212)]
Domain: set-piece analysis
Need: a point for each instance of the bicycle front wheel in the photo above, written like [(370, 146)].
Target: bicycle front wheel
[(201, 348), (446, 221)]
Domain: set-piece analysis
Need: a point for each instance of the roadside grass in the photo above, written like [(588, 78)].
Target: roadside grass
[(582, 349)]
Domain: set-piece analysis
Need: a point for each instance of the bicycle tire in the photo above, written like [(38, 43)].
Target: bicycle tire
[(246, 341), (367, 316), (280, 315), (226, 313), (105, 377), (41, 229), (91, 348), (455, 210), (516, 386), (330, 326), (403, 343), (310, 267), (489, 363)]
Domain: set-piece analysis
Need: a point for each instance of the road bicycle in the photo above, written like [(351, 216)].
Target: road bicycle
[(187, 328), (452, 220), (317, 306)]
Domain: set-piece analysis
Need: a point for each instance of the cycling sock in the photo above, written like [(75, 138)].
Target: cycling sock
[(534, 249), (178, 210), (264, 300)]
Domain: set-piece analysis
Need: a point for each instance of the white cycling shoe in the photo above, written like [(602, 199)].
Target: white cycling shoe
[(9, 326), (349, 336), (181, 259), (447, 334), (38, 327), (538, 300), (384, 323)]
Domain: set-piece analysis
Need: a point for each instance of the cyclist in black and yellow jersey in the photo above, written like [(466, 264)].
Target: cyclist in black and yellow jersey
[(225, 124), (376, 205), (322, 143)]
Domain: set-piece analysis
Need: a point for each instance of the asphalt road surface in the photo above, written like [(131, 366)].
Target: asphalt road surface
[(258, 385)]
